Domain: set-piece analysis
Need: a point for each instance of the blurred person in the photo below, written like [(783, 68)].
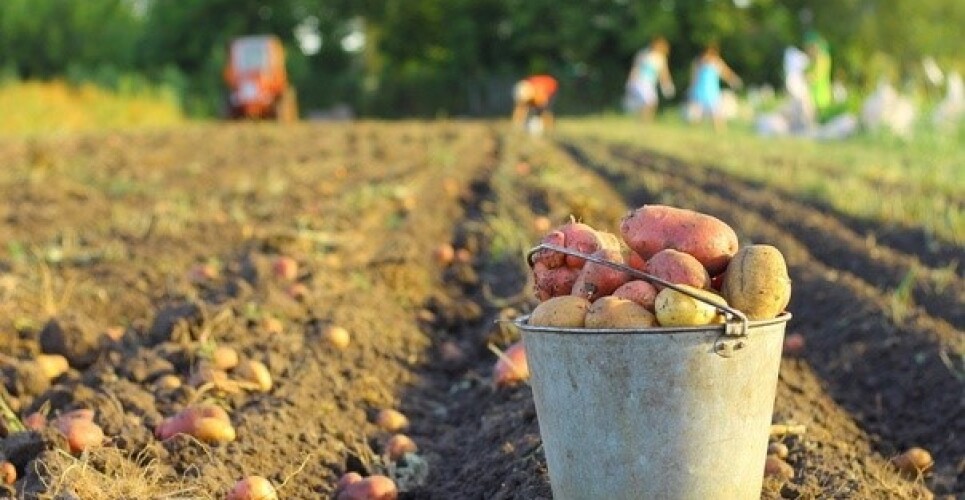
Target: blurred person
[(801, 112), (533, 97), (707, 72), (819, 71), (650, 68)]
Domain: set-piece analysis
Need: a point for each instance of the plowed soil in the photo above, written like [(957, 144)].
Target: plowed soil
[(135, 255)]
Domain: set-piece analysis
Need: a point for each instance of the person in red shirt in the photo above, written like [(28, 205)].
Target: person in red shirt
[(534, 95)]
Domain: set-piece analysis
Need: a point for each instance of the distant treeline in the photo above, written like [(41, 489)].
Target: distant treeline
[(459, 57)]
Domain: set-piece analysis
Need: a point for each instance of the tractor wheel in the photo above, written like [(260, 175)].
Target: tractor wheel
[(286, 108)]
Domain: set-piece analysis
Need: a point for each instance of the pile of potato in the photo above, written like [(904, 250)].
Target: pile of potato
[(695, 251)]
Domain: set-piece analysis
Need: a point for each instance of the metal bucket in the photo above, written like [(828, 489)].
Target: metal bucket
[(655, 413), (662, 413)]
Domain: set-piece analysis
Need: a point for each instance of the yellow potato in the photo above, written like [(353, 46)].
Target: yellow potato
[(565, 311), (757, 282), (678, 309), (614, 312)]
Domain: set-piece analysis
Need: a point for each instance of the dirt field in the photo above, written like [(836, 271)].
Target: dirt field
[(148, 250)]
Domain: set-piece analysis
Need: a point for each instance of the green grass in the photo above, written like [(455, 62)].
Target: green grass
[(915, 183)]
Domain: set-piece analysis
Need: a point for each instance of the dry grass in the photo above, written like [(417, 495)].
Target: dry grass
[(109, 474), (56, 107)]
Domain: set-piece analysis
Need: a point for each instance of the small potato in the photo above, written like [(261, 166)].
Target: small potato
[(398, 445), (391, 420), (52, 365), (913, 462), (207, 423), (285, 268), (677, 309), (370, 488), (567, 311), (614, 312), (597, 280), (639, 291), (80, 430), (553, 282), (347, 479), (678, 268), (224, 357), (336, 336), (757, 282), (775, 467), (255, 372), (444, 254), (779, 450), (8, 473), (512, 368), (253, 488), (35, 421)]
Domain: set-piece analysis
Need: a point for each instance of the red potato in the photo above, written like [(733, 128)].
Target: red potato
[(80, 430), (285, 268), (297, 291), (678, 268), (548, 258), (597, 280), (551, 283), (347, 479), (35, 421), (369, 488), (207, 423), (585, 239), (253, 488), (652, 228), (638, 291), (511, 368), (444, 254), (398, 445), (913, 463), (636, 261)]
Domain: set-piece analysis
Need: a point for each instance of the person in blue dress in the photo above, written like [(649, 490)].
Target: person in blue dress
[(708, 70)]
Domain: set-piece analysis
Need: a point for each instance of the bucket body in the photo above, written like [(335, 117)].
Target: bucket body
[(654, 413)]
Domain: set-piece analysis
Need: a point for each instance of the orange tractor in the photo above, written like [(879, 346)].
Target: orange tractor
[(258, 86)]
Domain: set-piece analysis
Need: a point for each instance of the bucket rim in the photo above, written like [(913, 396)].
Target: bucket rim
[(522, 323)]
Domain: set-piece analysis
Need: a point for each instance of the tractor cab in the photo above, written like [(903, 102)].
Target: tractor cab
[(257, 83)]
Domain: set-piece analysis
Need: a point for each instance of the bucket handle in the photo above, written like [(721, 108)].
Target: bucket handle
[(736, 322)]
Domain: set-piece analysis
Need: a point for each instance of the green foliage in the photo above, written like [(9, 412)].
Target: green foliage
[(430, 57)]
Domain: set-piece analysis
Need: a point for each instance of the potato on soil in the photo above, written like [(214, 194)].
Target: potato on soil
[(398, 445), (52, 365), (553, 282), (678, 268), (253, 488), (614, 312), (511, 368), (775, 467), (8, 473), (652, 228), (913, 462), (337, 336), (391, 420), (369, 488), (597, 280), (674, 308), (757, 282), (567, 311), (255, 373), (205, 422), (639, 291), (79, 429)]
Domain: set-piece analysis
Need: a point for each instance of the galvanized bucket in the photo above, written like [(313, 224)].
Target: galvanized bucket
[(662, 413)]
